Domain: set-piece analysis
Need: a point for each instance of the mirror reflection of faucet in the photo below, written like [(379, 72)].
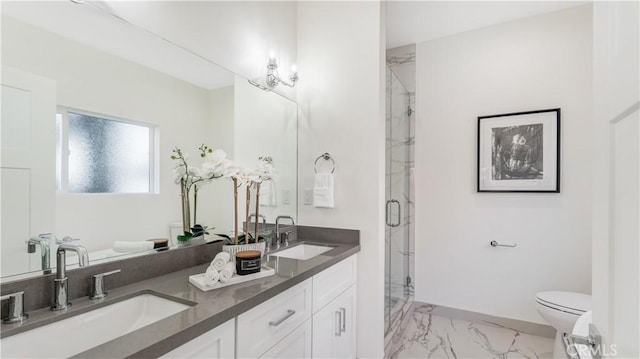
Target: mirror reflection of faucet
[(282, 238), (44, 241)]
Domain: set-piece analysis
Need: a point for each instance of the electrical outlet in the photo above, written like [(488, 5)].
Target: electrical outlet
[(308, 197), (286, 196)]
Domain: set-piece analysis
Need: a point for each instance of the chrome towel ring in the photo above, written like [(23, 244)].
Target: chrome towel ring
[(327, 157)]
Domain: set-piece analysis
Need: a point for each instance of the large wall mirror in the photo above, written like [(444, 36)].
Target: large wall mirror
[(92, 107)]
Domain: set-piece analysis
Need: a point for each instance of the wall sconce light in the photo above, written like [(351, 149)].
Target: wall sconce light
[(273, 78)]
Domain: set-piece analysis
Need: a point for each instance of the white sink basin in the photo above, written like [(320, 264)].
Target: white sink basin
[(302, 251), (84, 331)]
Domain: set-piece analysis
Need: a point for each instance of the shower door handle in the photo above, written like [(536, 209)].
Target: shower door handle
[(388, 214)]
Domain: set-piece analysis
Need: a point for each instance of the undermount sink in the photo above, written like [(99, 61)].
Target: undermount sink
[(302, 251), (84, 331)]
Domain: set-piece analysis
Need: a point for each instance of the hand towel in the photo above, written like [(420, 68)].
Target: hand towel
[(227, 272), (323, 190), (220, 260), (131, 246), (211, 276), (268, 194)]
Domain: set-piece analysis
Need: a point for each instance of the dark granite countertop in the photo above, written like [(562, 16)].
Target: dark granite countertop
[(211, 308)]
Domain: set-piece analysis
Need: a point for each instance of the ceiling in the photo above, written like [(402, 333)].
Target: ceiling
[(93, 27), (410, 22)]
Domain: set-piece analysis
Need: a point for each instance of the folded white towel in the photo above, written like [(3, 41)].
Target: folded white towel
[(211, 276), (268, 194), (323, 190), (220, 260), (132, 246), (227, 272)]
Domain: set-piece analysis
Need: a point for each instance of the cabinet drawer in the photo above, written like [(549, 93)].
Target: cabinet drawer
[(296, 345), (259, 328), (217, 343), (329, 283)]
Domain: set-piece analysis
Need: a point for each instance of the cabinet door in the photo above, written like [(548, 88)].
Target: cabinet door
[(347, 339), (328, 284), (219, 342), (296, 345), (334, 327)]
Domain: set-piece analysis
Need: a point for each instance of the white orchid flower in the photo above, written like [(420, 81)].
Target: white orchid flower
[(246, 176)]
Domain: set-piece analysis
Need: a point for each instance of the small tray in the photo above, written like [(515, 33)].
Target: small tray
[(198, 279)]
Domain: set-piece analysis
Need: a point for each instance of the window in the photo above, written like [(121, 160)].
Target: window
[(104, 155)]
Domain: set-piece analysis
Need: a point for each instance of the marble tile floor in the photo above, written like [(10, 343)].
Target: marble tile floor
[(427, 335)]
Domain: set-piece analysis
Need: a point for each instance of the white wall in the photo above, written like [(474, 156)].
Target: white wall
[(91, 80), (218, 196), (341, 108), (238, 35), (534, 63), (266, 125)]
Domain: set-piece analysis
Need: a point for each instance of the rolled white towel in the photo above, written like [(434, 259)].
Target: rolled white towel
[(211, 276), (220, 260), (132, 246), (227, 272)]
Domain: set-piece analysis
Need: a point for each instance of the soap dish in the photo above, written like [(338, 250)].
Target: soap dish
[(198, 279)]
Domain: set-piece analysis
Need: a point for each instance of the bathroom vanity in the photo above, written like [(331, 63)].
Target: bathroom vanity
[(320, 310), (307, 309)]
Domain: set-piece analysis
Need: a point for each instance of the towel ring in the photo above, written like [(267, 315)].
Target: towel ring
[(327, 157)]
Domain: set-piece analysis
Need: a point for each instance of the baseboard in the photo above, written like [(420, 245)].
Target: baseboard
[(522, 326)]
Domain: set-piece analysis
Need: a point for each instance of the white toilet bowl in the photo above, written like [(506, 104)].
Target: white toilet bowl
[(561, 310)]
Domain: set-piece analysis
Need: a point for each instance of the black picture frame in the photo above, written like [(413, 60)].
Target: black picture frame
[(519, 152)]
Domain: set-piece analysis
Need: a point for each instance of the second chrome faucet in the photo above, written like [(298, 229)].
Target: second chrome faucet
[(61, 282)]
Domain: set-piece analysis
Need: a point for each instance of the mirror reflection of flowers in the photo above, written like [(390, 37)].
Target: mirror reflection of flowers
[(242, 176), (250, 178), (265, 172), (215, 166)]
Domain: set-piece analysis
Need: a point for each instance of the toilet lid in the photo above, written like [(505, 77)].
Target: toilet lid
[(576, 303)]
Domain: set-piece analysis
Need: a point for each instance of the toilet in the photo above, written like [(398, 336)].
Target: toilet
[(561, 310)]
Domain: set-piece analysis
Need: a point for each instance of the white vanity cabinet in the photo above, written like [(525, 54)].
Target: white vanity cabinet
[(313, 319), (219, 342), (334, 317)]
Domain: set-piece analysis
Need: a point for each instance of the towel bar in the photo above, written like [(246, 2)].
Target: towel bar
[(496, 244)]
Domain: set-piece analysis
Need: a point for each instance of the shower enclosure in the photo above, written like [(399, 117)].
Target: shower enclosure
[(398, 210)]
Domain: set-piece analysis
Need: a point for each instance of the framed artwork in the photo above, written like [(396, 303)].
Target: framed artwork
[(519, 152)]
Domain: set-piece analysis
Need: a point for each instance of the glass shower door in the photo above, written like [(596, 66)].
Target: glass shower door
[(397, 198)]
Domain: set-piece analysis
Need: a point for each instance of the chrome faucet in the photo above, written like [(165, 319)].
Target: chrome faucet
[(61, 282), (261, 216), (283, 238), (44, 241)]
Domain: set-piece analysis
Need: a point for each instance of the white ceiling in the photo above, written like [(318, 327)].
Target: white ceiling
[(90, 26), (410, 22)]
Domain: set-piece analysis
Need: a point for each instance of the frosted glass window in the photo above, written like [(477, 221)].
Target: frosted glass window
[(108, 156)]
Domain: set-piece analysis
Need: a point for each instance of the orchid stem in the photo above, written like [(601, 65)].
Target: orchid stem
[(257, 209), (235, 210), (247, 207)]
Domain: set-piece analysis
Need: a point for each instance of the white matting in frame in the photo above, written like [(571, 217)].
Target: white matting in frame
[(519, 152)]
